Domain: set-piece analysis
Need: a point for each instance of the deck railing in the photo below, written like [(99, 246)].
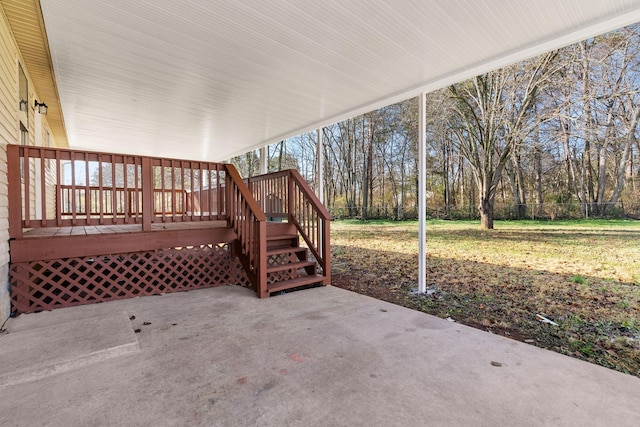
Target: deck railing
[(52, 187), (286, 195), (249, 223)]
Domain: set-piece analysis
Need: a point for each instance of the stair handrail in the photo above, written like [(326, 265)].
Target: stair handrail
[(285, 194), (250, 225), (313, 227)]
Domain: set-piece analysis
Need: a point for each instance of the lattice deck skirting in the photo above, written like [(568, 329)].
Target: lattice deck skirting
[(44, 285), (281, 259)]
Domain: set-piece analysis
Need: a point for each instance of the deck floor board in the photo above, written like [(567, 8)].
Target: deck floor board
[(85, 230)]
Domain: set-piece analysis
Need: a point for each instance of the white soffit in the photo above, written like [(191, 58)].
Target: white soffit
[(211, 79)]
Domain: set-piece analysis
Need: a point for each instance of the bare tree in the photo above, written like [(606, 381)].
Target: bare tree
[(492, 116)]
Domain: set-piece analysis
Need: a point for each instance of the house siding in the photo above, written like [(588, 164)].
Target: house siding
[(10, 134)]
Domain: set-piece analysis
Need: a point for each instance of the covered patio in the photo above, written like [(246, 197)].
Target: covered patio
[(320, 357), (207, 82), (183, 79)]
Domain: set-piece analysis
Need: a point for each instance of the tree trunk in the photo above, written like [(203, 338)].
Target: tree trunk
[(538, 173), (586, 158), (280, 156), (626, 156), (446, 160), (522, 197), (486, 212), (511, 174), (461, 182)]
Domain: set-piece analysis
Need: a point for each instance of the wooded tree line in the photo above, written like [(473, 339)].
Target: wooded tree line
[(552, 136)]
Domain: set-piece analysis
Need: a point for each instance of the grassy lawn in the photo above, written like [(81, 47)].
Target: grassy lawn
[(582, 275)]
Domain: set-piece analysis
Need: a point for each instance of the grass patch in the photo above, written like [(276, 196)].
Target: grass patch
[(579, 279), (583, 275)]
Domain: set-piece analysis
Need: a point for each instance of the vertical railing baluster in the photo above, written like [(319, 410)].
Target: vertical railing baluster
[(201, 169), (163, 189), (100, 190), (173, 190), (220, 193), (147, 193), (73, 189), (114, 191), (210, 191), (127, 208), (137, 185), (191, 186), (59, 199), (271, 195), (184, 191), (87, 190)]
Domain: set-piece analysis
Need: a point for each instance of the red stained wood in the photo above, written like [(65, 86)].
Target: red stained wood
[(77, 242), (124, 189), (297, 202), (152, 212), (15, 199), (44, 285), (147, 194)]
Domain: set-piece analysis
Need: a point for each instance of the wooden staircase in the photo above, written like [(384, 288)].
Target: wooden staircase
[(288, 263), (285, 254)]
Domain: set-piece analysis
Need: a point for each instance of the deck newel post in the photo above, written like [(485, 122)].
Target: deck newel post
[(227, 196), (262, 260), (15, 198), (147, 193), (326, 250), (291, 210)]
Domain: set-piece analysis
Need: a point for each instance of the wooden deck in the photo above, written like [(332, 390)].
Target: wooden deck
[(88, 230), (68, 242), (86, 227)]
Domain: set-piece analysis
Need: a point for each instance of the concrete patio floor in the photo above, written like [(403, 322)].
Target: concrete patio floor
[(319, 357)]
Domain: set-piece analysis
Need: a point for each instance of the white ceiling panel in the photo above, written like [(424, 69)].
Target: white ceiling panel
[(211, 79)]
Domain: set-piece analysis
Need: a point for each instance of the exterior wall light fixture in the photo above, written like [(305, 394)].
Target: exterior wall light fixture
[(41, 107)]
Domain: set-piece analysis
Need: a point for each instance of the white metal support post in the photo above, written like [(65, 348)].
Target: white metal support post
[(320, 160), (422, 195), (264, 160), (320, 177)]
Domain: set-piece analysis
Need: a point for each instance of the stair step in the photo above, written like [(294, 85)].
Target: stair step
[(290, 266), (282, 236), (294, 283), (280, 228), (289, 250)]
